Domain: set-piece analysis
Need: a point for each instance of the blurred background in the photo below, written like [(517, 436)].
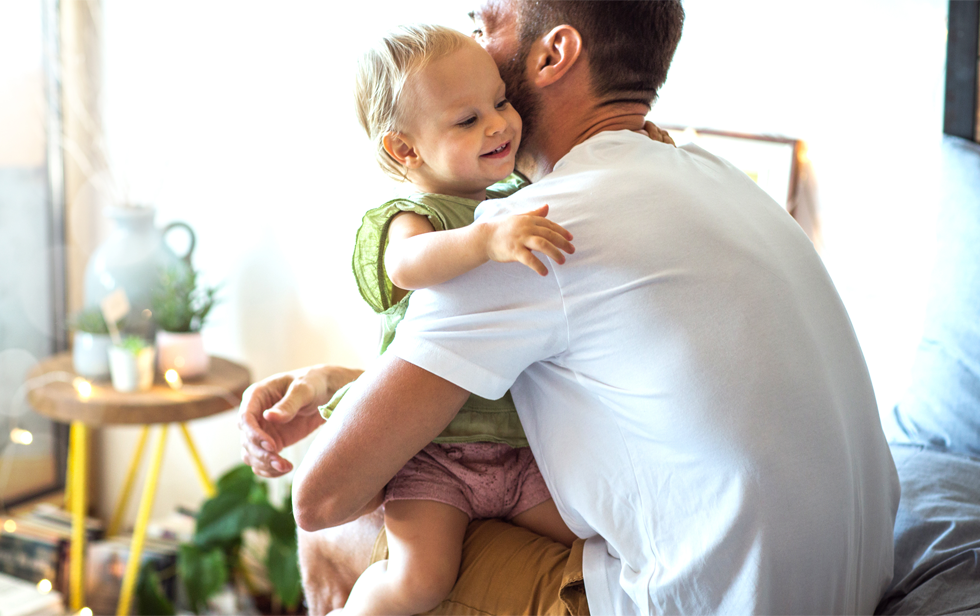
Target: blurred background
[(237, 118)]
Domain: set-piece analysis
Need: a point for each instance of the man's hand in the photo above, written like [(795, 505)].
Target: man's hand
[(656, 133), (512, 238), (281, 410)]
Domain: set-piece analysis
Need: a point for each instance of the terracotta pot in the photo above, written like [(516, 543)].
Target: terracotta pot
[(183, 352)]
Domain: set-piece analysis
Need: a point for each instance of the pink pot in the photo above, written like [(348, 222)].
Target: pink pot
[(183, 352)]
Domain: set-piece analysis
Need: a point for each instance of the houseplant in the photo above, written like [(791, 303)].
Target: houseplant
[(180, 307), (90, 343), (131, 364), (214, 557)]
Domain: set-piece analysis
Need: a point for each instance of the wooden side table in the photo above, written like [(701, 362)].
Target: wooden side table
[(83, 404)]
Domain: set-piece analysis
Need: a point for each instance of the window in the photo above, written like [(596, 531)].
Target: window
[(32, 448)]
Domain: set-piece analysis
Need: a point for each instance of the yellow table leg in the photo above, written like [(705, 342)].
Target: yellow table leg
[(198, 464), (78, 443), (68, 478), (142, 520), (134, 464)]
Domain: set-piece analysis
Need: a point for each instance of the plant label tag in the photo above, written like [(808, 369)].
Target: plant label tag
[(115, 306)]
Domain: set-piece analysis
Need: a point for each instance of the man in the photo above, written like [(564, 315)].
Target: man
[(689, 381)]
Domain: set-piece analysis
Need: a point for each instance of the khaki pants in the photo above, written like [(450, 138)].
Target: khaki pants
[(510, 570)]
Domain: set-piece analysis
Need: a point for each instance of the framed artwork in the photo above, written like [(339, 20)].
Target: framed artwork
[(772, 162)]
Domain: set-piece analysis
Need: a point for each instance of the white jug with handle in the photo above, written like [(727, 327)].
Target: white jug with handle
[(133, 258)]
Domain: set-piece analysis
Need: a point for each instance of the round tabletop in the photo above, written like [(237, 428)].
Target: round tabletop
[(219, 390)]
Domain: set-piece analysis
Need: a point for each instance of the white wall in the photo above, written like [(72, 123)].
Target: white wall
[(861, 81), (237, 118)]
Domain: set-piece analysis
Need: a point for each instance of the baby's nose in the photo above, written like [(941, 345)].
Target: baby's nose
[(497, 124)]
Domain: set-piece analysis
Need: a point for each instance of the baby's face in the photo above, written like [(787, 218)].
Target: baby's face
[(461, 125)]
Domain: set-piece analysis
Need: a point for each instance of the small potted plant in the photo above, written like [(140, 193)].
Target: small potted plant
[(90, 344), (180, 307), (131, 364), (241, 540)]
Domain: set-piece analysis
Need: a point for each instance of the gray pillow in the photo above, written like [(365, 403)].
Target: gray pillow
[(942, 405), (937, 534)]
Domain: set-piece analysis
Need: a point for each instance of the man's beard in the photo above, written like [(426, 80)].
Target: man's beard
[(523, 98)]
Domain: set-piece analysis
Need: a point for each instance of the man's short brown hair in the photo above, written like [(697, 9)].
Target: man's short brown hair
[(629, 43)]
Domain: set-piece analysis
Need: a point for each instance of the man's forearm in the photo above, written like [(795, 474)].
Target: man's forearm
[(392, 412)]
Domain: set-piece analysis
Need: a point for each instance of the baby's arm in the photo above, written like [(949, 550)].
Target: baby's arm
[(416, 258)]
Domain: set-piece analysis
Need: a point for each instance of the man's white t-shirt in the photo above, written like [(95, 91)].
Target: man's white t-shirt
[(690, 385)]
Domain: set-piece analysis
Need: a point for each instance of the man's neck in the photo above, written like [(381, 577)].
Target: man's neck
[(564, 126)]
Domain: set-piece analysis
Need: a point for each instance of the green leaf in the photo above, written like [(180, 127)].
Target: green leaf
[(179, 303), (134, 344), (282, 525), (239, 480), (89, 320), (221, 519), (150, 599), (204, 573), (258, 511), (283, 567)]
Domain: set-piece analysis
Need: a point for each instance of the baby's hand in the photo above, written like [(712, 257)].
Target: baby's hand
[(512, 238), (656, 133)]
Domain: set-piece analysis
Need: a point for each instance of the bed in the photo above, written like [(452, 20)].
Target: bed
[(937, 534), (936, 444)]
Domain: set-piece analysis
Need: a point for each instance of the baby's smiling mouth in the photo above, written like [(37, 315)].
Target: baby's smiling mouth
[(500, 151)]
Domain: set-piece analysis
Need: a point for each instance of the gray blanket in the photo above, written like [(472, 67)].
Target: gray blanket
[(937, 534)]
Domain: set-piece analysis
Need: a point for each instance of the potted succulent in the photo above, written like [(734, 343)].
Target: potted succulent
[(180, 307), (90, 344), (131, 364)]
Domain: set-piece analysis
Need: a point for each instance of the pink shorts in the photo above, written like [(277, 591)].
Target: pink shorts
[(483, 480)]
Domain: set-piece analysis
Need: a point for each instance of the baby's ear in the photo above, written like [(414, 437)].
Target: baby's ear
[(398, 147)]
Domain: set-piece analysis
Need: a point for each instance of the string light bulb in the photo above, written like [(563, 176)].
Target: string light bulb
[(173, 379), (83, 387), (21, 436), (44, 587), (10, 526)]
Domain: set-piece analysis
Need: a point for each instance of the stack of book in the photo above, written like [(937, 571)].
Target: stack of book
[(106, 563), (35, 553), (34, 546), (21, 598)]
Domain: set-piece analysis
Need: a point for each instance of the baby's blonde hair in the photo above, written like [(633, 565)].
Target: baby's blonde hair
[(381, 75)]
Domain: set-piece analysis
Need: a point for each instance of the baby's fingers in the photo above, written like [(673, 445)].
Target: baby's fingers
[(552, 238), (544, 223), (533, 262), (545, 247), (541, 211)]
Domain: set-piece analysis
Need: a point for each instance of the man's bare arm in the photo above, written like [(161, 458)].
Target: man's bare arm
[(392, 412)]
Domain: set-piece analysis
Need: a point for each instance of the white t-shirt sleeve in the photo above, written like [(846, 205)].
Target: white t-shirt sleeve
[(482, 329)]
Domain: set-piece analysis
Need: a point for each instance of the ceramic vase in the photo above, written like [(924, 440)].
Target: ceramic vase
[(90, 355), (183, 352), (132, 258), (132, 372)]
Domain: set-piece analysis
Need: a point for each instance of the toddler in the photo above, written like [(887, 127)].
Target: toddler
[(432, 101)]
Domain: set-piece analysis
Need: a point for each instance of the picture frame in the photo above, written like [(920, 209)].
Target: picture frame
[(773, 162)]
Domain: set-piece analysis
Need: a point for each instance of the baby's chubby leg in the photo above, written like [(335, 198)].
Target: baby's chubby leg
[(425, 540), (545, 520)]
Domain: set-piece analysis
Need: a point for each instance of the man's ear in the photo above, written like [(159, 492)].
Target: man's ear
[(554, 54), (398, 147)]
